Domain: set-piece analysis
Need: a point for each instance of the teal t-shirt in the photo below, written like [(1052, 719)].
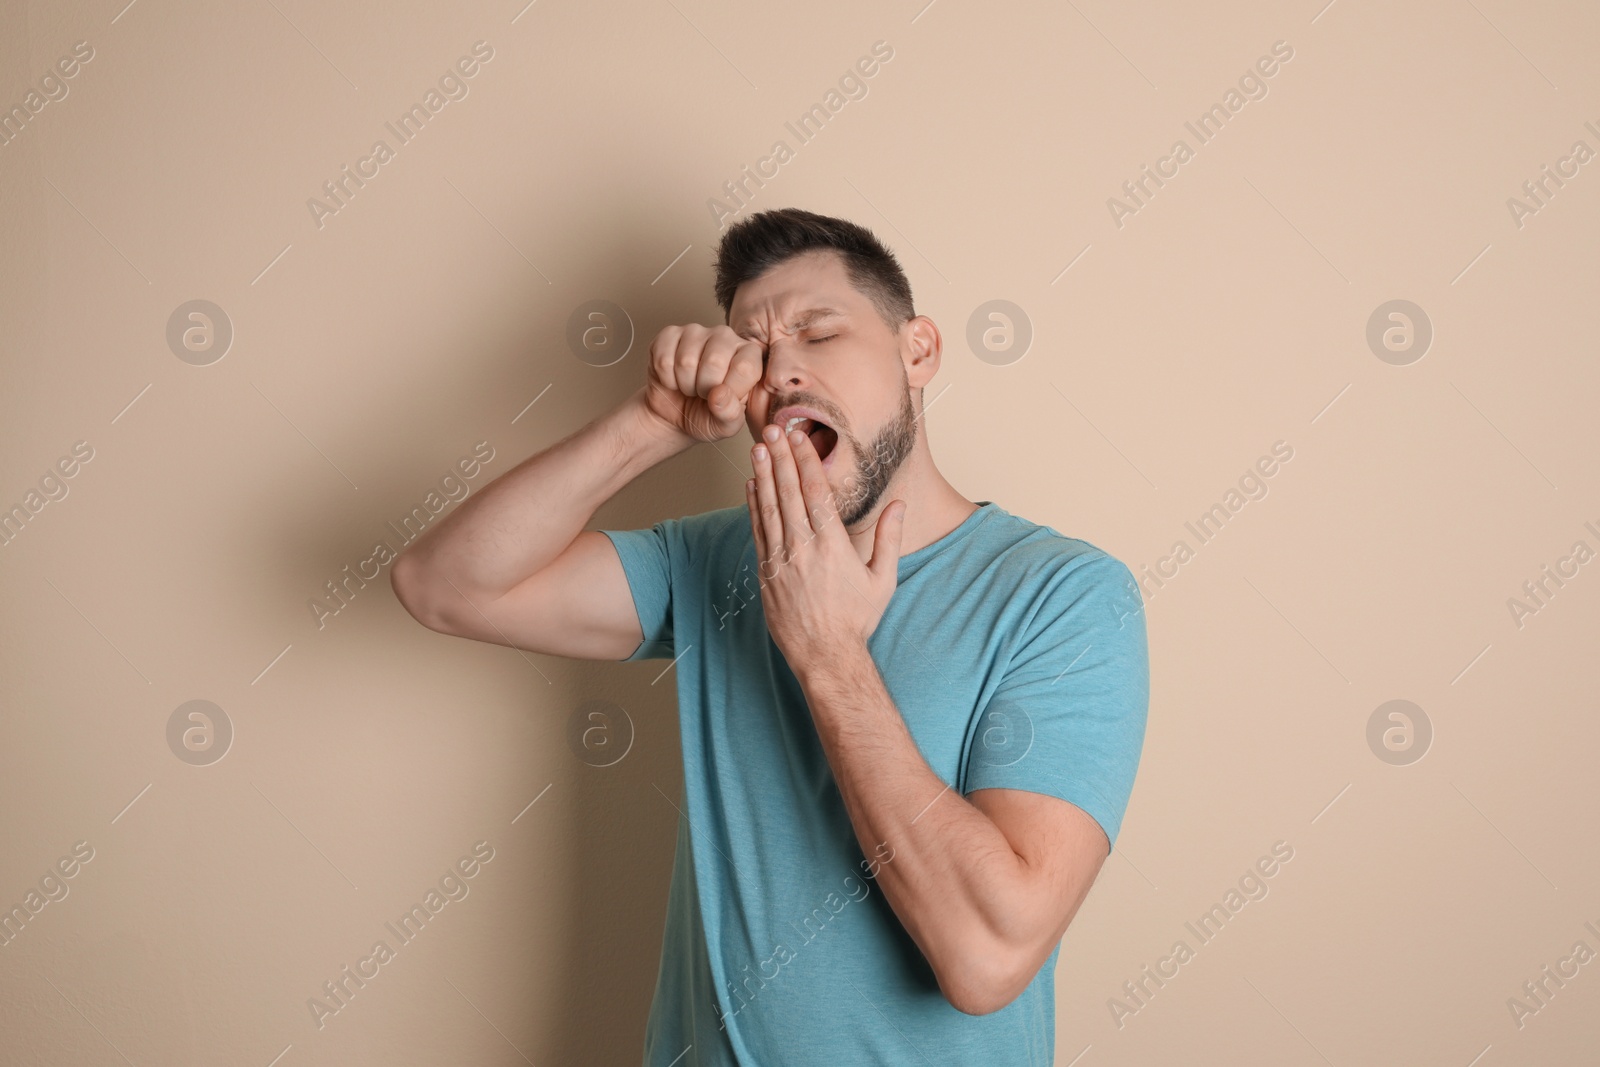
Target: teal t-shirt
[(1017, 657)]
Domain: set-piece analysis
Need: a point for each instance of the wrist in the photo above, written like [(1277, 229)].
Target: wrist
[(839, 669), (645, 432)]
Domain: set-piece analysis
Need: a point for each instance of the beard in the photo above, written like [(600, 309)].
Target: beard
[(875, 462)]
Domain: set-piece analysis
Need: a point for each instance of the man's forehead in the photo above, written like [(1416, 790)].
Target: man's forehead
[(797, 319)]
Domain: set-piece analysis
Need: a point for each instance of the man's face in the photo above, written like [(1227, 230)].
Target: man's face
[(830, 353)]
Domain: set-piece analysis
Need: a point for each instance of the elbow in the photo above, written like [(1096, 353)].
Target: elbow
[(984, 982), (410, 589)]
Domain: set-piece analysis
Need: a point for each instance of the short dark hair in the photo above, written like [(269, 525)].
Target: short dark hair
[(755, 245)]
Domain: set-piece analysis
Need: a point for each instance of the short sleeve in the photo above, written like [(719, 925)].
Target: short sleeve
[(648, 565), (1068, 716)]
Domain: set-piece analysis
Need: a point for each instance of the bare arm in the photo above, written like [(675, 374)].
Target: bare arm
[(985, 885), (485, 571), (513, 565)]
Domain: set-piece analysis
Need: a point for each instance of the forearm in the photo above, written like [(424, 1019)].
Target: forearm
[(954, 880), (520, 522)]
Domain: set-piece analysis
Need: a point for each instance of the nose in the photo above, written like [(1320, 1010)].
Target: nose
[(785, 371)]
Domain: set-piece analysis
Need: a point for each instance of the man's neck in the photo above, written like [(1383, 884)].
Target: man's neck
[(933, 507)]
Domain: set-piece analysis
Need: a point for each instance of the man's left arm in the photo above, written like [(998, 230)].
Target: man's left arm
[(985, 885)]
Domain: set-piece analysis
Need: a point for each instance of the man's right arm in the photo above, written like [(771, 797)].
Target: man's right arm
[(513, 565)]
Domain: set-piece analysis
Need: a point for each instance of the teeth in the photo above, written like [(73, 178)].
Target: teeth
[(794, 422)]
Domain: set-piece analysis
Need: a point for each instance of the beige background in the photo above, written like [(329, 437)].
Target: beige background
[(371, 353)]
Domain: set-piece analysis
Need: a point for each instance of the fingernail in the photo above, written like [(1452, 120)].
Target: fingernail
[(796, 436), (771, 433), (761, 452)]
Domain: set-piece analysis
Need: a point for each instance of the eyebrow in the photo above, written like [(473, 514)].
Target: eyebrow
[(808, 317)]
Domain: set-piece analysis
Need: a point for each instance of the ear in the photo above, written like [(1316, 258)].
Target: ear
[(921, 351)]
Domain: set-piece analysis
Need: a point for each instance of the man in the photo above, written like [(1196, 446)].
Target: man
[(882, 685)]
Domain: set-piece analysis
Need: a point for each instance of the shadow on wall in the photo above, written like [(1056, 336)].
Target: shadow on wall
[(589, 906)]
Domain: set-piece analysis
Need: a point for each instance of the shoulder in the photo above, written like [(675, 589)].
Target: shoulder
[(709, 534), (710, 525), (1051, 557), (1058, 584)]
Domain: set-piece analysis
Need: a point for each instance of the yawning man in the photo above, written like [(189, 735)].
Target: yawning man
[(910, 721)]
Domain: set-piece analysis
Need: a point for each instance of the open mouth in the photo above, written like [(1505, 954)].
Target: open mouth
[(823, 437)]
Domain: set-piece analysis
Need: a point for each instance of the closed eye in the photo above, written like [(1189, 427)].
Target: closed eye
[(819, 340)]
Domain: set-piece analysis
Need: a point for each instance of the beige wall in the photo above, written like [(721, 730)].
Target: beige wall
[(1172, 347)]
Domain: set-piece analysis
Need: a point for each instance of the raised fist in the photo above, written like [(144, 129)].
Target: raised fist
[(701, 377)]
